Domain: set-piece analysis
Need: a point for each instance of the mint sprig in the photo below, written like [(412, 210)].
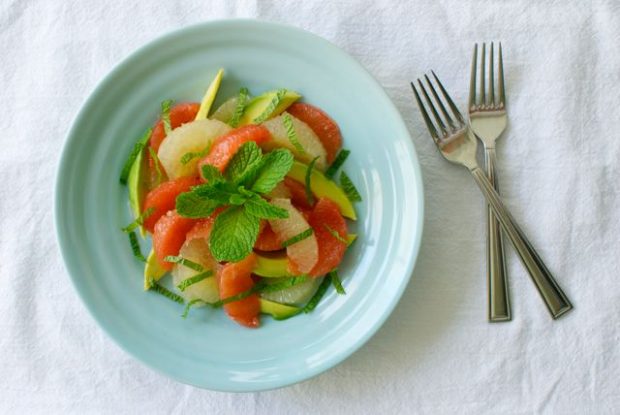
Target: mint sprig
[(238, 192)]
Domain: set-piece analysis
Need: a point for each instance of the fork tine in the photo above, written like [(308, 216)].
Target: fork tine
[(440, 103), (502, 92), (453, 107), (429, 124), (472, 79), (491, 78), (483, 98), (433, 110)]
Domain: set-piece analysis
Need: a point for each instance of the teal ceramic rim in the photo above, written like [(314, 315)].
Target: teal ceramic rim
[(62, 223)]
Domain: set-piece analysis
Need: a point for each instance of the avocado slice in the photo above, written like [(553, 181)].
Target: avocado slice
[(152, 270), (271, 266), (323, 187), (137, 184), (268, 105), (278, 311), (207, 100)]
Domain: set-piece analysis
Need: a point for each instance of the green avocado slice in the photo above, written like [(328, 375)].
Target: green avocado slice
[(260, 109), (323, 187), (137, 185), (278, 311), (152, 270), (271, 266)]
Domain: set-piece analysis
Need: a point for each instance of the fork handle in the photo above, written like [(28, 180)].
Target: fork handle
[(553, 296), (499, 299)]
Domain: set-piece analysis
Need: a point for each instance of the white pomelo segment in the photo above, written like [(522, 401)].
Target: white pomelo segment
[(192, 137), (281, 191), (304, 253), (197, 250), (307, 138), (297, 295), (225, 111)]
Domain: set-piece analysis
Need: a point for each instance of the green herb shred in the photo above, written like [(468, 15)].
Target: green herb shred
[(336, 282), (160, 289), (271, 107), (190, 305), (194, 280), (335, 234), (316, 298), (242, 102), (338, 162), (349, 188), (139, 220), (185, 262), (297, 238), (135, 246)]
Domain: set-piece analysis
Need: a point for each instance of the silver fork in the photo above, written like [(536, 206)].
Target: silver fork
[(488, 119), (457, 144)]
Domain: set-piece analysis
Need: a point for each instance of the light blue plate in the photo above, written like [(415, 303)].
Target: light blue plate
[(207, 349)]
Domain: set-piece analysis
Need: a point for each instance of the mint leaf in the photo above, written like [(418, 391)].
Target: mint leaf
[(211, 174), (137, 148), (271, 107), (192, 205), (338, 162), (165, 115), (297, 238), (242, 162), (259, 207), (233, 235), (309, 194), (275, 167), (242, 102), (349, 188), (290, 132), (218, 191)]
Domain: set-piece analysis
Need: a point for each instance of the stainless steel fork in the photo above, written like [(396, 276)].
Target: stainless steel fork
[(457, 144), (488, 119)]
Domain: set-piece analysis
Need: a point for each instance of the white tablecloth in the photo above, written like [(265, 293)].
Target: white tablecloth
[(559, 171)]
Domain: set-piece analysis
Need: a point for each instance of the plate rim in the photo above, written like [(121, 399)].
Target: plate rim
[(62, 238)]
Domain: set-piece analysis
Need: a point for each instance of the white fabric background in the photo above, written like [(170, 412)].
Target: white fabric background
[(559, 172)]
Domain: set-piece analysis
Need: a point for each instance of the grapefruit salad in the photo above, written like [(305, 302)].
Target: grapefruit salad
[(240, 205)]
